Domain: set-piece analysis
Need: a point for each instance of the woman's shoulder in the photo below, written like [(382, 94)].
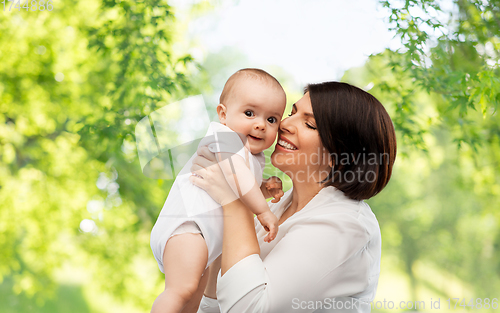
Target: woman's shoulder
[(330, 206), (336, 206)]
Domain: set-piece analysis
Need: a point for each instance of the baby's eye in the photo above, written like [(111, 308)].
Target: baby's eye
[(272, 120), (248, 113)]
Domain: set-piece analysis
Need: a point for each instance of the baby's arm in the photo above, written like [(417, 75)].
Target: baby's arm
[(243, 183)]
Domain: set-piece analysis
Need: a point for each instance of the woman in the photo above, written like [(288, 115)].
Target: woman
[(338, 147)]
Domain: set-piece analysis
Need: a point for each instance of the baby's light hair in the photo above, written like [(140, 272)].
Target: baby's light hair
[(248, 73)]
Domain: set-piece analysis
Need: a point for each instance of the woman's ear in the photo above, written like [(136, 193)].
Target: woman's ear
[(221, 112), (330, 160)]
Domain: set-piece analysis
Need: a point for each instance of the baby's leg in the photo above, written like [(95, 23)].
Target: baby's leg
[(194, 304), (184, 261)]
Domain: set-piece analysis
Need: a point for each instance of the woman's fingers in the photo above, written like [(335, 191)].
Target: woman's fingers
[(200, 163), (198, 170), (197, 181), (203, 151), (204, 159)]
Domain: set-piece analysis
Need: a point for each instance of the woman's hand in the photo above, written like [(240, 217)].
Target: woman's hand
[(209, 177)]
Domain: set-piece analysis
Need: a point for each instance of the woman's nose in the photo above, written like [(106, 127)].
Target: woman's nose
[(286, 126)]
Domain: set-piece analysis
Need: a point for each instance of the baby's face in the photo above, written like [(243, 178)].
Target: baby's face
[(254, 110)]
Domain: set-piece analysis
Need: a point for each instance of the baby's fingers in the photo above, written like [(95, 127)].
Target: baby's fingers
[(273, 186), (272, 234), (277, 196), (266, 239)]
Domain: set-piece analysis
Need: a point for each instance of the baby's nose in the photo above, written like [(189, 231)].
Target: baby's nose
[(260, 125)]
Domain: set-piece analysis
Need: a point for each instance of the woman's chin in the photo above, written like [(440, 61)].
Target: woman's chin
[(281, 160)]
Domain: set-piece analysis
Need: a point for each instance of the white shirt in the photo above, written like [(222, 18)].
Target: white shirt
[(328, 251)]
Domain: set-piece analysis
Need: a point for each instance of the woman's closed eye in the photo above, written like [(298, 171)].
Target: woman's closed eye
[(249, 113), (310, 126)]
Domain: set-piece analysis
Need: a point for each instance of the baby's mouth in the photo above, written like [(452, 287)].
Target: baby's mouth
[(254, 138)]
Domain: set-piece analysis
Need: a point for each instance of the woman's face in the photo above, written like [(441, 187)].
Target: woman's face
[(299, 152)]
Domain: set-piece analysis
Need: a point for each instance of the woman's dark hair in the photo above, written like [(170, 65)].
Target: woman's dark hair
[(358, 133)]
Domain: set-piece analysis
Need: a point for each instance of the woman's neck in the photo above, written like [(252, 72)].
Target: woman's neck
[(302, 193)]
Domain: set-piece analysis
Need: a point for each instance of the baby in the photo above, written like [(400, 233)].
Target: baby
[(187, 237)]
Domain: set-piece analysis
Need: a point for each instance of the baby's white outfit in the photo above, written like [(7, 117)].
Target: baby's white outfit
[(190, 209)]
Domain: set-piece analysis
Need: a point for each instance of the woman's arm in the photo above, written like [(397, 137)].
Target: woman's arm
[(239, 239), (241, 180), (209, 302), (213, 271)]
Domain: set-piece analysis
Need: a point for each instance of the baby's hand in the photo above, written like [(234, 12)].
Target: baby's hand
[(270, 223), (275, 188)]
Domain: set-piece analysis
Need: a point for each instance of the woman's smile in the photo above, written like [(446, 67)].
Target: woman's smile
[(299, 148), (285, 144)]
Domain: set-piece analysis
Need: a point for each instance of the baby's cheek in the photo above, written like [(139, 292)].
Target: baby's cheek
[(274, 135)]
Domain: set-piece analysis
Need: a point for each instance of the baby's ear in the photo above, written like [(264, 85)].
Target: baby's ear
[(221, 112)]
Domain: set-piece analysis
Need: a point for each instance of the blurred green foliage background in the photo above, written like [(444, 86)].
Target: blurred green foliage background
[(76, 210)]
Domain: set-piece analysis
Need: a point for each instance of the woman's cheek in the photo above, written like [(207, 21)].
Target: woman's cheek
[(277, 160)]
